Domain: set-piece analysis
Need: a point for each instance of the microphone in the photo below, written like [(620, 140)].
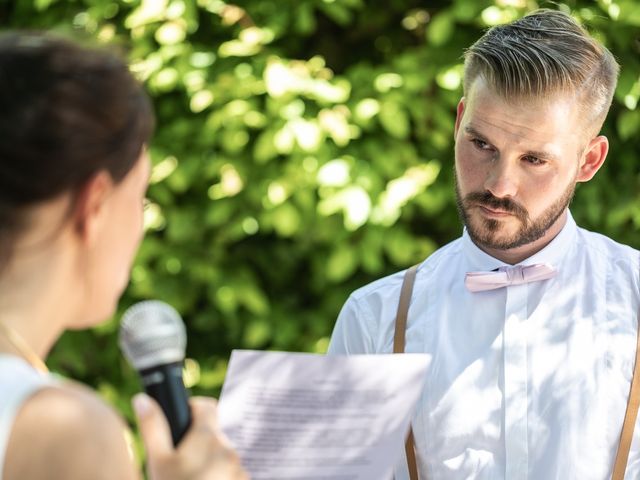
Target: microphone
[(153, 339)]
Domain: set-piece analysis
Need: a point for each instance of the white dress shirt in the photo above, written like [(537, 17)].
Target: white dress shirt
[(527, 381)]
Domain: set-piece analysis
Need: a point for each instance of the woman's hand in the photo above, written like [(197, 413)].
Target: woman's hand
[(204, 452)]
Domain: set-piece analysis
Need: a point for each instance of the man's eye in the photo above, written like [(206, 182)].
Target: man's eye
[(533, 160), (480, 144)]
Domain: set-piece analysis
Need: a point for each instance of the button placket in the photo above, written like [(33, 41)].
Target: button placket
[(515, 383)]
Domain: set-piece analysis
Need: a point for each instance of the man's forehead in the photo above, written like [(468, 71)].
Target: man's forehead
[(549, 120)]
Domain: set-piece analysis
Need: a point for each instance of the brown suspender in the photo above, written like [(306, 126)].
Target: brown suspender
[(398, 347), (403, 309), (629, 418)]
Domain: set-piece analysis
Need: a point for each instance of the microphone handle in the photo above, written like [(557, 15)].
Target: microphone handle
[(164, 383)]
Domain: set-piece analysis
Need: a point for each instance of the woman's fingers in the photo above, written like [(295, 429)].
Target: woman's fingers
[(154, 428), (204, 453)]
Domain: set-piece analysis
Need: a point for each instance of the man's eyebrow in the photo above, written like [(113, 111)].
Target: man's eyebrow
[(533, 153), (472, 131)]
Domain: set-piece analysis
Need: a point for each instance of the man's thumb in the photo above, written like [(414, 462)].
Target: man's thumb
[(153, 426)]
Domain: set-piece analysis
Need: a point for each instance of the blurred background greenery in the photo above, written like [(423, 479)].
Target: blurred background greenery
[(303, 149)]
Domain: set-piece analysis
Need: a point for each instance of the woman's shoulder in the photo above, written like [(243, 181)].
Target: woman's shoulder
[(65, 430)]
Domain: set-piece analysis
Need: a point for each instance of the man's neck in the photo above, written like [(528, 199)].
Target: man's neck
[(516, 255)]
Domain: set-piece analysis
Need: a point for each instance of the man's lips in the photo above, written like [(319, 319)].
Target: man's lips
[(494, 212)]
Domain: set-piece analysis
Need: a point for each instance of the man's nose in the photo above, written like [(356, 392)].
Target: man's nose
[(501, 179)]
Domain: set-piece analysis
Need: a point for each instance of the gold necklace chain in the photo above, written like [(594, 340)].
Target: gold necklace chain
[(21, 346)]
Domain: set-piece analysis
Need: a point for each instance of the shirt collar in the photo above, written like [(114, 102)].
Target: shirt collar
[(552, 253)]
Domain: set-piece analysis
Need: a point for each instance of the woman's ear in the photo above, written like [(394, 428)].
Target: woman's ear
[(91, 204), (593, 158)]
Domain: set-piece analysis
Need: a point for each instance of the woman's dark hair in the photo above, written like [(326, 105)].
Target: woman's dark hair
[(66, 112)]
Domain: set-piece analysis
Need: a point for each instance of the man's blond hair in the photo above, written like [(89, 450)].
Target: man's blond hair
[(541, 55)]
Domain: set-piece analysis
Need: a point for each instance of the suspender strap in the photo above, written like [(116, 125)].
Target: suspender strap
[(403, 309), (629, 418), (398, 347)]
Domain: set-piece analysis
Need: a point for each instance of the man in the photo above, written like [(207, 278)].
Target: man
[(528, 377)]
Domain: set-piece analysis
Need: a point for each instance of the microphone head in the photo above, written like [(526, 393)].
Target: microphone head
[(152, 333)]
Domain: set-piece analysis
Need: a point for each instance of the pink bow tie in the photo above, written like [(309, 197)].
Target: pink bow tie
[(504, 276)]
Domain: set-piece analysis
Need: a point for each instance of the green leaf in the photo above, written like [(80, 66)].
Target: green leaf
[(394, 119), (305, 21), (253, 299), (628, 124), (257, 333), (286, 220), (440, 29), (264, 148), (42, 5), (342, 263), (401, 247), (337, 12)]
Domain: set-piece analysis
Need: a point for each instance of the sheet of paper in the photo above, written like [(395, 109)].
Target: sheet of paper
[(297, 416)]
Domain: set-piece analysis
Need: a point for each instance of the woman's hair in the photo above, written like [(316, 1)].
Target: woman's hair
[(66, 112), (543, 54)]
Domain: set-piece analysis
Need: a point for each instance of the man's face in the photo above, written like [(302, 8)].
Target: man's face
[(517, 165)]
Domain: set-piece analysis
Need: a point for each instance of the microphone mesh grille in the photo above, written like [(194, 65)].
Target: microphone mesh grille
[(152, 333)]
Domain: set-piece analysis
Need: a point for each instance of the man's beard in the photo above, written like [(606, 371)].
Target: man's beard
[(486, 231)]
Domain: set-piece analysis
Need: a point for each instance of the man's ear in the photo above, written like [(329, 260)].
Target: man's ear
[(593, 158), (90, 206), (459, 114)]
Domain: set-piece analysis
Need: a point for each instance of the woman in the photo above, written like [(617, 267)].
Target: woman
[(73, 175)]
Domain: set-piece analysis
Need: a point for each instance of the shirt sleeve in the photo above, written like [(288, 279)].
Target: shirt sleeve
[(352, 333)]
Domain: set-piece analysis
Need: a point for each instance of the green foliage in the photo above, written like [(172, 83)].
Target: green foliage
[(304, 148)]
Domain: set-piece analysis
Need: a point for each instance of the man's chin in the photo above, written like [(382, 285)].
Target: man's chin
[(492, 243), (498, 235)]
